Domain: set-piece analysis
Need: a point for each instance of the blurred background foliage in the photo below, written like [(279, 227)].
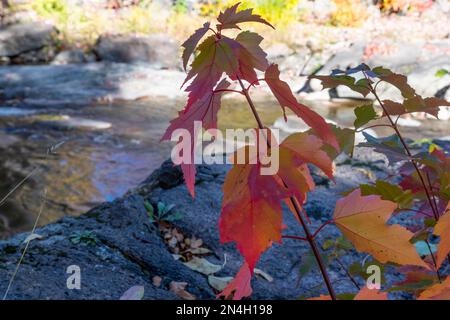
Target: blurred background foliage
[(82, 21)]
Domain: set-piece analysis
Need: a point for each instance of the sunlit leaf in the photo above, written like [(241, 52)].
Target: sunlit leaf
[(362, 219), (204, 110), (230, 18)]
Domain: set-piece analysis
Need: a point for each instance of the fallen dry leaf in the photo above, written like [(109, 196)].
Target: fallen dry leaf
[(179, 289), (156, 281), (33, 236), (202, 265), (263, 274), (219, 283), (134, 293)]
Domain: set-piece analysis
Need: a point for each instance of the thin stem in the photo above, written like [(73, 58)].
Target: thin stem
[(374, 126), (434, 261), (315, 250), (21, 182), (214, 31), (405, 146), (22, 256), (322, 226), (253, 83), (432, 193), (252, 106), (348, 274), (415, 210), (294, 203), (294, 237), (227, 90)]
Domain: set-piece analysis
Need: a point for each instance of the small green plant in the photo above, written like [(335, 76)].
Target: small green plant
[(162, 212), (84, 237), (441, 72)]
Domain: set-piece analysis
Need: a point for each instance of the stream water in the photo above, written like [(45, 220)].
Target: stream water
[(105, 149)]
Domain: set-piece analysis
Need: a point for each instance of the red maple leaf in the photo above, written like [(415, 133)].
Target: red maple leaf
[(204, 110), (286, 99)]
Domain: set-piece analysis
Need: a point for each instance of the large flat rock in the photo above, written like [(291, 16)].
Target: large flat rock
[(130, 251), (21, 38)]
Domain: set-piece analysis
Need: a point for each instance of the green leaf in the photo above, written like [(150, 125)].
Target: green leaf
[(364, 114), (397, 80), (412, 287), (441, 72), (343, 243), (330, 82), (308, 262), (430, 222), (161, 208), (346, 296), (346, 140), (389, 192), (328, 244)]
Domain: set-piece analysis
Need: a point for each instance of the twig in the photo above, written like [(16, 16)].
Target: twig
[(294, 237), (348, 274), (21, 182), (26, 245)]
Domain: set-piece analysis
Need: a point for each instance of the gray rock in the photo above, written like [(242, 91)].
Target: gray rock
[(22, 38), (128, 251), (278, 50), (60, 85), (344, 59), (70, 57), (157, 49)]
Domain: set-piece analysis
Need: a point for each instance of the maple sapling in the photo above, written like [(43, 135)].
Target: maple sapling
[(251, 213), (252, 203)]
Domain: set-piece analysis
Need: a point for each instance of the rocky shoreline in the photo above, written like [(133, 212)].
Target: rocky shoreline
[(119, 247)]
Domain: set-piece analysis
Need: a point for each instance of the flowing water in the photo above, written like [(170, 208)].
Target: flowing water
[(105, 149)]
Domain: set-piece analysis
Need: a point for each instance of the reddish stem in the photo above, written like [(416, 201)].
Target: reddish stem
[(322, 226), (415, 210), (294, 237), (295, 205), (253, 83), (405, 146), (227, 90)]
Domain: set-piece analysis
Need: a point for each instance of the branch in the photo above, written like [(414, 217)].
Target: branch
[(322, 226), (405, 146)]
